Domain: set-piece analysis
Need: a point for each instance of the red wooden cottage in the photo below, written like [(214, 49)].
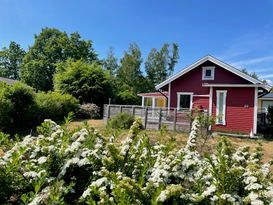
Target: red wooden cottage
[(228, 94)]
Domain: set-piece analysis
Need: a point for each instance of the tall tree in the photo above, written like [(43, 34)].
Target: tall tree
[(11, 60), (129, 72), (160, 64), (129, 79), (173, 58), (52, 46), (253, 74), (111, 62)]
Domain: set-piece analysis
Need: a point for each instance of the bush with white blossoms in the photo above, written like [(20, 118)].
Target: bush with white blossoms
[(60, 166)]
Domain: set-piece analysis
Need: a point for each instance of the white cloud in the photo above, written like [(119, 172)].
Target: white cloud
[(261, 70), (267, 75), (253, 61)]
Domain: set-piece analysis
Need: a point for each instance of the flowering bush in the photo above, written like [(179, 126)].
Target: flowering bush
[(83, 167), (88, 110)]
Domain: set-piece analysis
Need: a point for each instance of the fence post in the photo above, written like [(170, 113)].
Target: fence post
[(121, 108), (108, 111), (133, 111), (160, 118), (174, 119), (146, 118)]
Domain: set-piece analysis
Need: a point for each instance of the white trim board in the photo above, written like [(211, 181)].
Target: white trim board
[(231, 85), (217, 62), (255, 111), (268, 99), (210, 100), (169, 99), (204, 96)]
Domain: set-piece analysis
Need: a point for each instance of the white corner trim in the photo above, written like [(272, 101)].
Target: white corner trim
[(184, 93), (143, 99), (217, 62), (169, 97), (153, 102), (224, 106), (210, 100), (255, 110), (204, 69)]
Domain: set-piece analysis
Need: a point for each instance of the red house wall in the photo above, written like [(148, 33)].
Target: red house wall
[(201, 102), (238, 118), (239, 109), (192, 81)]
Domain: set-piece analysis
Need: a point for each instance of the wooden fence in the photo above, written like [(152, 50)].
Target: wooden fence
[(152, 118)]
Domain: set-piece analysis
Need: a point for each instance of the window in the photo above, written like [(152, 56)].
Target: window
[(184, 101), (208, 73), (221, 107), (148, 102)]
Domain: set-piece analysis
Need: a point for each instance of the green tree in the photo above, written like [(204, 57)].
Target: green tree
[(129, 72), (253, 74), (130, 80), (87, 82), (52, 46), (11, 60), (111, 62), (173, 58), (160, 64)]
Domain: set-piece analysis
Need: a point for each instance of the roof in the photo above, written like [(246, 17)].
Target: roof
[(217, 62), (155, 94), (267, 96), (8, 80)]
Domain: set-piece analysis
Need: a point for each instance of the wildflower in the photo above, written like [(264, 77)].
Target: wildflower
[(42, 160)]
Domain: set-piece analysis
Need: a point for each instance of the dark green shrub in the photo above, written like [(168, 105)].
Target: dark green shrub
[(17, 108), (88, 110), (24, 110), (270, 115), (121, 121), (127, 98), (5, 106), (21, 108), (55, 105)]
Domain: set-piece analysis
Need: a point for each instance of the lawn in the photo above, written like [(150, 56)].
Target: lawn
[(181, 138)]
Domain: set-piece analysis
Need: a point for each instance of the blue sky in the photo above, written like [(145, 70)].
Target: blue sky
[(238, 32)]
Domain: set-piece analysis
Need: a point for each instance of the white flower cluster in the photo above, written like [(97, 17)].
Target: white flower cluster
[(135, 171)]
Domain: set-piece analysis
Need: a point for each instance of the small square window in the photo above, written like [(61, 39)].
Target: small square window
[(208, 73)]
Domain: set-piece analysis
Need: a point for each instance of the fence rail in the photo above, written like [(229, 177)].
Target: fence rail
[(152, 118)]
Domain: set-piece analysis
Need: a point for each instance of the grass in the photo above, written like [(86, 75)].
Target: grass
[(181, 138)]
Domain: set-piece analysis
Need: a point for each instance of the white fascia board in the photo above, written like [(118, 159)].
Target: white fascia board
[(268, 99), (217, 62)]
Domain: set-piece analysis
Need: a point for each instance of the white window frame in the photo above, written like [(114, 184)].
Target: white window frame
[(224, 106), (205, 68), (184, 93)]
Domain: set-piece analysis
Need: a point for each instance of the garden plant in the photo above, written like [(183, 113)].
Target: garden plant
[(60, 166)]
